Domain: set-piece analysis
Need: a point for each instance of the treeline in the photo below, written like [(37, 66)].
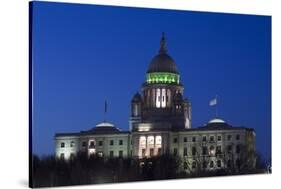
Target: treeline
[(50, 171)]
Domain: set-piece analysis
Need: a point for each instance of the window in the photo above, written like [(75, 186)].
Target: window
[(143, 152), (212, 138), (193, 151), (100, 154), (204, 150), (62, 156), (111, 154), (211, 164), (185, 151), (72, 156), (84, 144), (120, 153), (120, 142), (229, 137), (237, 137), (92, 144), (219, 163), (204, 139), (111, 142), (193, 139), (237, 149), (72, 143), (219, 150), (100, 143), (151, 151), (212, 150), (159, 151), (175, 151), (185, 139), (229, 148), (219, 138), (62, 145), (175, 140), (193, 165)]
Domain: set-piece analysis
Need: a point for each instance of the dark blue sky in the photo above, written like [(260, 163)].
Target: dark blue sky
[(84, 54)]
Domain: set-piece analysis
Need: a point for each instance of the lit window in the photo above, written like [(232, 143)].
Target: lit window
[(143, 152), (100, 154), (151, 152), (212, 150), (62, 145), (150, 140), (163, 98), (158, 97), (158, 141)]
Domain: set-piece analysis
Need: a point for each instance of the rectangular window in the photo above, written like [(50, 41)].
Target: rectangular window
[(72, 144), (84, 144), (212, 138), (62, 155), (143, 152), (62, 145), (237, 149), (219, 150), (229, 148), (120, 142), (229, 137), (193, 151), (193, 139), (111, 154), (120, 153), (185, 151), (159, 151), (219, 138), (175, 140), (237, 137), (175, 151), (100, 143), (204, 139), (151, 151), (185, 139), (92, 144), (111, 142)]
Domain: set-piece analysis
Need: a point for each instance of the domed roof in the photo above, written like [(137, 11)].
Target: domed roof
[(216, 120), (136, 97), (162, 62)]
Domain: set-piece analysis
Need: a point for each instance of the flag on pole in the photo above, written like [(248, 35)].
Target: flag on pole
[(213, 102)]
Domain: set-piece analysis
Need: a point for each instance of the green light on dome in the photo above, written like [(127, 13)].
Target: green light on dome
[(162, 77)]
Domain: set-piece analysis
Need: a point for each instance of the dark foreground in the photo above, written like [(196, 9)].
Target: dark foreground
[(49, 171)]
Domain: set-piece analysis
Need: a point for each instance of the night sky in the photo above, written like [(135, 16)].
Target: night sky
[(86, 54)]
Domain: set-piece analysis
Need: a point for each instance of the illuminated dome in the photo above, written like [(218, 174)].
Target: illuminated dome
[(162, 68), (216, 120)]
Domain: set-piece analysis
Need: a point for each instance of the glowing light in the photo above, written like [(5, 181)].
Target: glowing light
[(162, 77)]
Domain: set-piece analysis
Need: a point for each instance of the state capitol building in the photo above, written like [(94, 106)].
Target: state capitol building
[(160, 123)]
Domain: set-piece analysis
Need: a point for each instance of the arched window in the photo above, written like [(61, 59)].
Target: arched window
[(163, 104), (158, 98)]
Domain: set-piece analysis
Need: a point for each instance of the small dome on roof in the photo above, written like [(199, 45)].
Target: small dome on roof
[(105, 124), (216, 120), (136, 97)]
